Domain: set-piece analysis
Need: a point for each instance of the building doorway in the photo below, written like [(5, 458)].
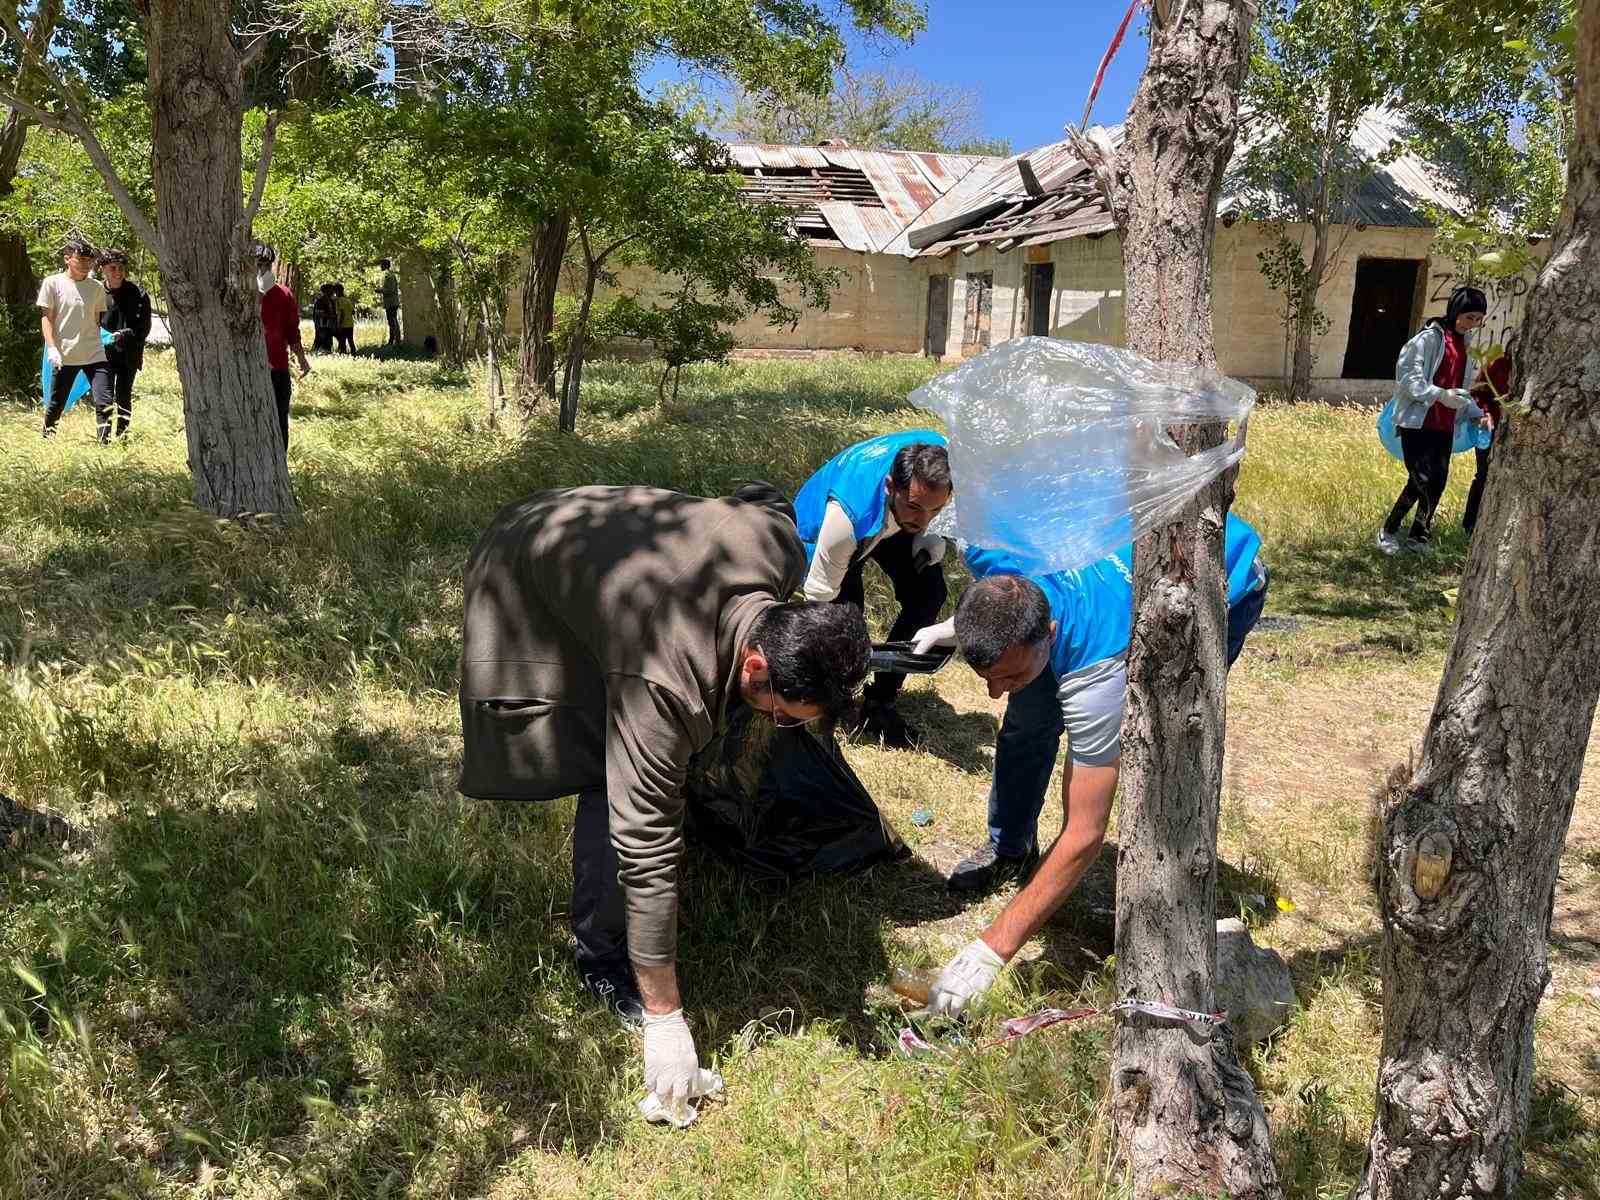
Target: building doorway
[(937, 333), (1041, 283), (1380, 316)]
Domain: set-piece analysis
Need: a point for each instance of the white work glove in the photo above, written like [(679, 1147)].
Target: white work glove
[(54, 355), (927, 550), (933, 637), (964, 979), (671, 1067)]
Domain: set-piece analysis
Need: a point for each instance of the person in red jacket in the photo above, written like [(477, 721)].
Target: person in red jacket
[(1489, 391), (280, 322)]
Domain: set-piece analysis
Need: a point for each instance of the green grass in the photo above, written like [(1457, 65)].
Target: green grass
[(282, 957)]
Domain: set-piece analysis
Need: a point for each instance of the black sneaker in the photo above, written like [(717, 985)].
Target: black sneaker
[(986, 869), (881, 723), (613, 984)]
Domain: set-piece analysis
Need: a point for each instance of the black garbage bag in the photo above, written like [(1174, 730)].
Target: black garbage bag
[(782, 803)]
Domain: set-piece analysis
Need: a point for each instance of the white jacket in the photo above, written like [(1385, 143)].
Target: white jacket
[(1414, 392)]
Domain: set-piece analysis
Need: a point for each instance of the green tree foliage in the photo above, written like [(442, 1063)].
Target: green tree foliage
[(1489, 87), (880, 110), (1316, 67)]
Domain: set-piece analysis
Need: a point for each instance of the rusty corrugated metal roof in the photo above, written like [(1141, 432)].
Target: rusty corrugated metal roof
[(865, 197), (997, 209)]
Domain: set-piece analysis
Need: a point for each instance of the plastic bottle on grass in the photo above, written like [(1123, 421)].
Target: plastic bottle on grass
[(914, 985)]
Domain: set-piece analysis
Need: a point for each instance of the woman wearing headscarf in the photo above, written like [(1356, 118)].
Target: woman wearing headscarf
[(1429, 400)]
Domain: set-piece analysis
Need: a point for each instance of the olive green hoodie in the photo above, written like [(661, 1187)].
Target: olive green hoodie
[(602, 631)]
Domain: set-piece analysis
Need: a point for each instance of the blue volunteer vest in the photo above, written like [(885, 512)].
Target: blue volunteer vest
[(854, 477), (1093, 606)]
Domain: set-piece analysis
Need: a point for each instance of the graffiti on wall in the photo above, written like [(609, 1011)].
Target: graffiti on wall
[(1508, 302)]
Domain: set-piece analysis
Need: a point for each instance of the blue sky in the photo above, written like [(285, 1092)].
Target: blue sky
[(1031, 62)]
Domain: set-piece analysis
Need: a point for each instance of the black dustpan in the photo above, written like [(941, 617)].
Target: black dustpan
[(897, 657)]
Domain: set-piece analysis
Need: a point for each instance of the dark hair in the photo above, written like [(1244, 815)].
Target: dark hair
[(924, 461), (816, 652), (1465, 299), (384, 263), (108, 257), (997, 613), (265, 253), (338, 289), (326, 289), (76, 246)]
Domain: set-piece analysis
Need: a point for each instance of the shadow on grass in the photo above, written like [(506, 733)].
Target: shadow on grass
[(965, 740), (344, 950)]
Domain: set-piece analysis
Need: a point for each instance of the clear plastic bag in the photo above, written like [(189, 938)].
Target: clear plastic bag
[(1059, 449)]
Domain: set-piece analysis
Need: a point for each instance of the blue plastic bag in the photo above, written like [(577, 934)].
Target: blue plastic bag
[(80, 385), (1469, 434)]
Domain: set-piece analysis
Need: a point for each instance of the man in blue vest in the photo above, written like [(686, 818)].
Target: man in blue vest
[(875, 500), (1058, 645)]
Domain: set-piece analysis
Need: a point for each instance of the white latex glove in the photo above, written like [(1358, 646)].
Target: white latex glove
[(54, 356), (931, 637), (1461, 396), (927, 550), (964, 979), (671, 1067)]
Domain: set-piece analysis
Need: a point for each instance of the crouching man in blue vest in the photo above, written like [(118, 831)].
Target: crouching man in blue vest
[(875, 500), (1057, 645)]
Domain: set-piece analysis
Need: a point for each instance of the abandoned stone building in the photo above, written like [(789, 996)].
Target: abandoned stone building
[(945, 255)]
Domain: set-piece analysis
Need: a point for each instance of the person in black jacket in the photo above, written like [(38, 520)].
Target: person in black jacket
[(127, 319)]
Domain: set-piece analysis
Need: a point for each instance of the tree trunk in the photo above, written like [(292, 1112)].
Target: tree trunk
[(452, 332), (572, 376), (494, 380), (1186, 1112), (17, 284), (1306, 301), (536, 363), (235, 450), (1471, 842)]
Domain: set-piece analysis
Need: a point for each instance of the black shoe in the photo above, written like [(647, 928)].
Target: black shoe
[(986, 869), (612, 983), (881, 723)]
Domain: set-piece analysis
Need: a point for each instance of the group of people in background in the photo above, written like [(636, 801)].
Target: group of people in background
[(333, 314), (1432, 402), (95, 328)]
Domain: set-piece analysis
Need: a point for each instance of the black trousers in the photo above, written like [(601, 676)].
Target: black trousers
[(281, 388), (920, 593), (394, 325), (599, 913), (122, 388), (1475, 493), (1427, 455), (347, 339), (100, 391)]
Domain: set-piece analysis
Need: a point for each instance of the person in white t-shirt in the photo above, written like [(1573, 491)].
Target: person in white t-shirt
[(70, 307)]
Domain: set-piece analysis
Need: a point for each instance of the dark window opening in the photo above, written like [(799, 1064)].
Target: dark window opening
[(1380, 316), (980, 298), (1040, 287)]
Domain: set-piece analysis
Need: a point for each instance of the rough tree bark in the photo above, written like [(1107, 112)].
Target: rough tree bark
[(196, 93), (536, 364), (17, 284), (1471, 841), (1186, 1112)]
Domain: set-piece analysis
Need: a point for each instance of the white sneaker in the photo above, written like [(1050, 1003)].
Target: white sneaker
[(1388, 542)]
